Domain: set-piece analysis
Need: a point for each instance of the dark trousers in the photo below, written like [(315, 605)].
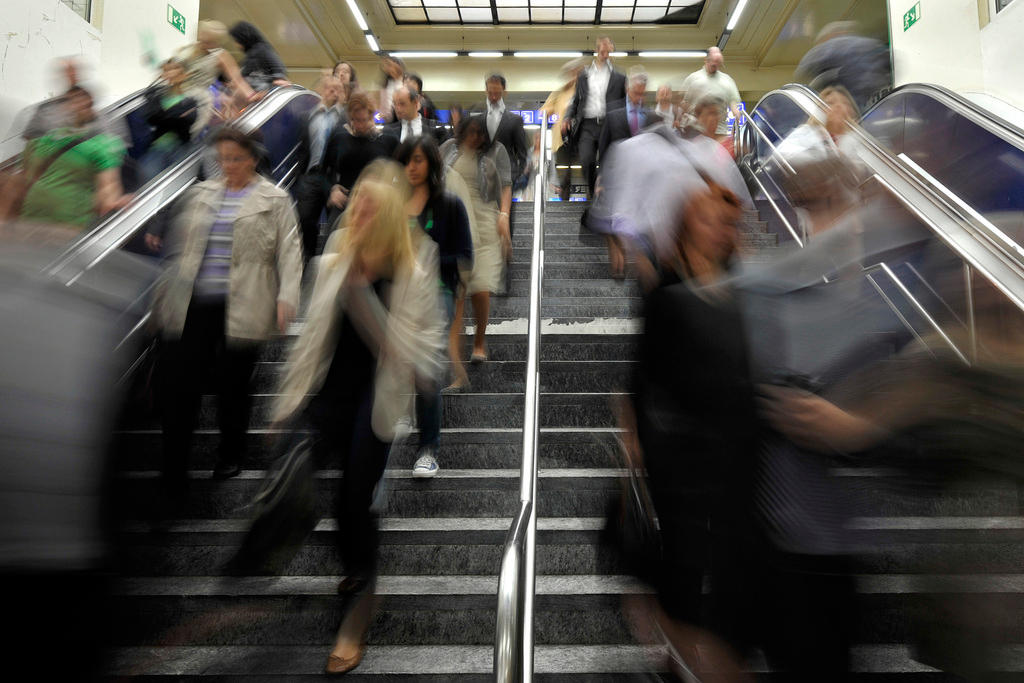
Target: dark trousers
[(586, 149), (311, 194), (428, 396), (201, 354), (345, 434)]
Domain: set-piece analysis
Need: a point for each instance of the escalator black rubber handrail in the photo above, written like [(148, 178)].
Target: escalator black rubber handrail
[(994, 254), (103, 237)]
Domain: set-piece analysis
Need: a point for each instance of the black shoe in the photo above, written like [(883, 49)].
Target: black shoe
[(226, 470)]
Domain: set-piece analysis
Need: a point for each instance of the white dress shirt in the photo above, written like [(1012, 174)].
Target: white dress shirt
[(415, 126), (668, 113), (321, 123), (494, 113), (597, 84)]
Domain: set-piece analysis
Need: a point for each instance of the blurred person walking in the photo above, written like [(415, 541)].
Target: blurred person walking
[(442, 216), (373, 333), (664, 108), (313, 187), (233, 283), (556, 105), (711, 80), (506, 128), (172, 114), (409, 122), (598, 88), (71, 175), (485, 170), (427, 108), (354, 145), (346, 73), (262, 68), (841, 57), (392, 72), (622, 123), (206, 61)]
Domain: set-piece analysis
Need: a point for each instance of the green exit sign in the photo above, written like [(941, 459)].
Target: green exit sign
[(176, 19), (912, 16)]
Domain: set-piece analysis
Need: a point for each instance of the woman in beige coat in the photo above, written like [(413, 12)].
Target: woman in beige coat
[(232, 283), (374, 335)]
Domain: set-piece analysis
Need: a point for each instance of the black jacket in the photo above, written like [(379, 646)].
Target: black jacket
[(177, 119), (512, 136), (350, 154), (445, 219), (616, 126), (615, 93), (432, 126), (305, 145), (261, 65)]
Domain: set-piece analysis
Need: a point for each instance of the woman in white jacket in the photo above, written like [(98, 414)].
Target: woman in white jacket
[(374, 326)]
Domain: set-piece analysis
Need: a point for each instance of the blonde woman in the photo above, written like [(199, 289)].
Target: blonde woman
[(374, 330), (205, 61)]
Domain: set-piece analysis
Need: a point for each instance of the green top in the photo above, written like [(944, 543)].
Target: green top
[(66, 192)]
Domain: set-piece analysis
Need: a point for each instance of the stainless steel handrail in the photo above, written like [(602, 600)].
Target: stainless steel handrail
[(513, 641), (775, 151), (778, 211)]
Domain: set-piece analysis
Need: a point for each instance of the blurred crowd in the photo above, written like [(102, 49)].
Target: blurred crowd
[(751, 385)]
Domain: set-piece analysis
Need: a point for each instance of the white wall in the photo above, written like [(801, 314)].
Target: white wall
[(35, 32), (1002, 54), (948, 47)]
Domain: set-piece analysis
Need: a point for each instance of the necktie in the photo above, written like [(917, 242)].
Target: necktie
[(492, 122), (408, 130), (634, 122)]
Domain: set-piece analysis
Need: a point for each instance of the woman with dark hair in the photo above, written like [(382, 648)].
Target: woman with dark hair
[(443, 217), (262, 68), (233, 284), (393, 69), (346, 73), (487, 174)]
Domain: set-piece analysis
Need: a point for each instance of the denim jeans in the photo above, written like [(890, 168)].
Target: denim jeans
[(428, 400)]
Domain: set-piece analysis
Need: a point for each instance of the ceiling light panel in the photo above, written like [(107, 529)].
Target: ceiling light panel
[(546, 11)]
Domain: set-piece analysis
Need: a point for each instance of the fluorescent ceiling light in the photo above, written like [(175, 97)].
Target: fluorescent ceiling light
[(734, 19), (614, 54), (354, 8), (372, 42), (681, 54), (486, 54), (548, 54), (428, 54)]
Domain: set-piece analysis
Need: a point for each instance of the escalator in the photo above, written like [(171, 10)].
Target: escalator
[(942, 174)]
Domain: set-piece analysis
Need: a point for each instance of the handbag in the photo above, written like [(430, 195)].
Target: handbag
[(631, 527), (284, 509)]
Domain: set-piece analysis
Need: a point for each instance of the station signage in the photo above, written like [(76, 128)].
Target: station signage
[(176, 19), (912, 16)]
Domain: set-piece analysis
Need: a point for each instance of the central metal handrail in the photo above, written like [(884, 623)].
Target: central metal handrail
[(513, 640)]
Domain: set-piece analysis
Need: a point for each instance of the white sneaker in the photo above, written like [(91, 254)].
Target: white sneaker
[(426, 465)]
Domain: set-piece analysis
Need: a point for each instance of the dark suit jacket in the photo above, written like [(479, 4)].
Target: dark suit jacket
[(615, 93), (432, 126), (512, 136), (616, 126), (304, 142)]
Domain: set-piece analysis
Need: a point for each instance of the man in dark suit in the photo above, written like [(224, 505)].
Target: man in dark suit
[(427, 108), (507, 128), (408, 121), (628, 120), (313, 187), (598, 89)]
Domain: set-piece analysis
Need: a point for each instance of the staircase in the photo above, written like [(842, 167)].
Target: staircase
[(176, 616)]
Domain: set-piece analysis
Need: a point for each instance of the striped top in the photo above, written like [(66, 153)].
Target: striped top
[(212, 282)]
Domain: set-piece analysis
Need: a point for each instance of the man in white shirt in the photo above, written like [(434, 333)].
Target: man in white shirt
[(312, 188), (598, 89), (408, 122), (711, 80)]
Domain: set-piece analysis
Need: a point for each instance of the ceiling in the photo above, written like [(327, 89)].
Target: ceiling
[(769, 40)]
